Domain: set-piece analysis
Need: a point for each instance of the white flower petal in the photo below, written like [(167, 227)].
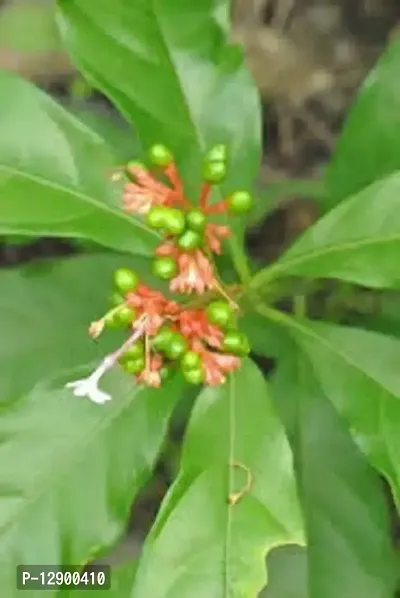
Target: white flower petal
[(88, 388)]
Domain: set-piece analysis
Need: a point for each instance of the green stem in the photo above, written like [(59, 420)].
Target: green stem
[(240, 260), (300, 306)]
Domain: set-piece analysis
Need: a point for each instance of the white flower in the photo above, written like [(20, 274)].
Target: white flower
[(88, 387)]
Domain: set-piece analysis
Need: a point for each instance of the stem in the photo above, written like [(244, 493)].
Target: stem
[(240, 260), (110, 360), (300, 306), (217, 208), (204, 195)]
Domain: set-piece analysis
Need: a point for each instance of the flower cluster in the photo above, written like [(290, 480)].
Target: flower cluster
[(199, 337)]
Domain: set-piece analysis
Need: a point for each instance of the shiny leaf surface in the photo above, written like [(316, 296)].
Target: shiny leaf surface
[(54, 175), (201, 543)]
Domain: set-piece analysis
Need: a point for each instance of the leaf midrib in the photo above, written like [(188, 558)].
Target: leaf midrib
[(14, 172), (287, 263)]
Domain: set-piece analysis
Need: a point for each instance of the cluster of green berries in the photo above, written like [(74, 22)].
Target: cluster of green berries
[(188, 223), (169, 342)]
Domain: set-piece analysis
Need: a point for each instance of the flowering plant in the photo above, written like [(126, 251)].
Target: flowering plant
[(289, 453)]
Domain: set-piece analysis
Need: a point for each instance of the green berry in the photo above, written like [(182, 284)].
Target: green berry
[(220, 313), (111, 320), (195, 376), (125, 315), (236, 343), (163, 338), (134, 352), (196, 220), (126, 280), (133, 164), (116, 299), (166, 372), (164, 267), (160, 155), (218, 153), (190, 240), (156, 217), (190, 360), (176, 347), (174, 221), (214, 172), (240, 202), (134, 366)]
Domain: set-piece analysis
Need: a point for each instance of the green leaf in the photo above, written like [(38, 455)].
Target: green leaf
[(172, 73), (54, 175), (266, 338), (271, 195), (45, 311), (29, 28), (358, 371), (359, 241), (369, 146), (70, 470), (113, 130), (346, 517), (122, 576), (287, 572), (200, 544)]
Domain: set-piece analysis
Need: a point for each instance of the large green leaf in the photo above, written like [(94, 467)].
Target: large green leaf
[(358, 371), (369, 147), (346, 517), (45, 313), (122, 576), (200, 544), (358, 241), (70, 469), (54, 175), (170, 70), (287, 573)]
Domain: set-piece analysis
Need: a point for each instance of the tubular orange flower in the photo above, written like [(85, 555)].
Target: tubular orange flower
[(139, 197), (151, 375), (213, 234), (216, 365), (193, 323), (195, 270), (195, 274), (154, 305)]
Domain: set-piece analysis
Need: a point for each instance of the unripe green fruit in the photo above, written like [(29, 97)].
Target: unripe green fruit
[(220, 313), (236, 343), (133, 164), (116, 299), (156, 217), (111, 320), (174, 221), (195, 376), (134, 352), (126, 280), (214, 172), (133, 366), (125, 315), (218, 153), (190, 360), (239, 202), (190, 240), (164, 267), (160, 155), (196, 220), (163, 338), (176, 347), (166, 372)]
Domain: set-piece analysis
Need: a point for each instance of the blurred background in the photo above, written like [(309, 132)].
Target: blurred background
[(308, 58)]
